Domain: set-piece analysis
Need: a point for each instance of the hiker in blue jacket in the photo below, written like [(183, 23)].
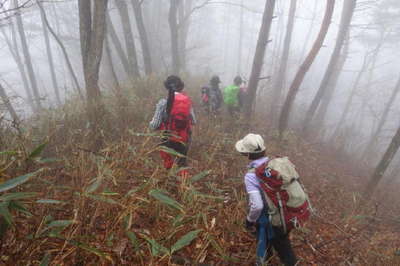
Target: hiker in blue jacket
[(257, 221)]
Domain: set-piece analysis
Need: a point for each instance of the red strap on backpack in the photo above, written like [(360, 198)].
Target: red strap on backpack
[(272, 185)]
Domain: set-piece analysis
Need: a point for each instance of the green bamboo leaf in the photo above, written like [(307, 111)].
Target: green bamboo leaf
[(90, 249), (101, 198), (8, 153), (157, 194), (185, 240), (12, 183), (95, 185), (132, 237), (50, 201), (170, 151), (17, 196), (156, 248), (6, 213), (49, 160), (199, 194), (199, 176), (60, 223), (46, 260), (109, 193), (134, 190), (18, 206), (37, 151), (144, 134)]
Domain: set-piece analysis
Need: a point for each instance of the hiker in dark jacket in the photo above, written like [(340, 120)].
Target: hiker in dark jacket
[(257, 220), (175, 117), (211, 96)]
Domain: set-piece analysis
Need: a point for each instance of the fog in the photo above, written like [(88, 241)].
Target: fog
[(124, 131), (216, 31)]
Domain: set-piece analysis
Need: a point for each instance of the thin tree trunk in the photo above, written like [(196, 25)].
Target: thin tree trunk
[(143, 36), (110, 64), (383, 165), (374, 137), (310, 29), (8, 105), (128, 37), (326, 100), (184, 9), (27, 57), (92, 34), (173, 25), (263, 39), (14, 50), (347, 14), (49, 54), (279, 85), (117, 44), (63, 49), (240, 45), (349, 101), (294, 87)]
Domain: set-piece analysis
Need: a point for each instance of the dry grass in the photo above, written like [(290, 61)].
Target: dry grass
[(119, 206)]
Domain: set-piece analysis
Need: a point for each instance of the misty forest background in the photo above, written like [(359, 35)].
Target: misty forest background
[(80, 179)]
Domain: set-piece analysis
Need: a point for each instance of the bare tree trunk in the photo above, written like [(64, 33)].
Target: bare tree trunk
[(173, 25), (63, 49), (374, 137), (49, 54), (128, 36), (27, 57), (8, 105), (310, 29), (294, 87), (240, 46), (92, 34), (349, 101), (326, 99), (184, 9), (279, 85), (258, 61), (14, 50), (110, 65), (143, 36), (383, 165), (117, 44), (347, 14)]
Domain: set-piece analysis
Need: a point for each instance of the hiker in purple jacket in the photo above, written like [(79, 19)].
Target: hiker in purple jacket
[(252, 146)]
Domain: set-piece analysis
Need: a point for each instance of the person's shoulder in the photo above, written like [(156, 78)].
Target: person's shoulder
[(162, 102)]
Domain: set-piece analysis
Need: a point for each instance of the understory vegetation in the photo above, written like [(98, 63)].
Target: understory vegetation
[(63, 203)]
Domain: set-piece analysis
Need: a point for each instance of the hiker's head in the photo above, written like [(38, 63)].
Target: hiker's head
[(252, 146), (238, 81), (215, 80), (174, 83)]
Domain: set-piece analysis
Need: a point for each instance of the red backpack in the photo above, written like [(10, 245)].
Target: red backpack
[(179, 122), (288, 203)]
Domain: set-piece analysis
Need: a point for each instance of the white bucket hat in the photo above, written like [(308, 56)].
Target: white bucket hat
[(251, 143)]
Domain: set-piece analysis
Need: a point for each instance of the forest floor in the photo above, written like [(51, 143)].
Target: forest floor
[(119, 206)]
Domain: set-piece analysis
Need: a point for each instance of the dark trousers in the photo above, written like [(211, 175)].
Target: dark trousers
[(281, 243), (179, 147)]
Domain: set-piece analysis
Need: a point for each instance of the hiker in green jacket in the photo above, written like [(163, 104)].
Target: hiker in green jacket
[(231, 96)]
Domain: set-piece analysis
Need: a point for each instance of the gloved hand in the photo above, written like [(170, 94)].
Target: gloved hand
[(250, 227)]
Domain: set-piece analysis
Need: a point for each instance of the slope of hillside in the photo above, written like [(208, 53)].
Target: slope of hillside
[(119, 206)]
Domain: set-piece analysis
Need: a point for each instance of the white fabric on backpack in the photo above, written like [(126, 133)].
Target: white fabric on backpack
[(290, 177)]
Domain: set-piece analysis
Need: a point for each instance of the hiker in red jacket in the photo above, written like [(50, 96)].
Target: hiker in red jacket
[(258, 218), (175, 117)]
